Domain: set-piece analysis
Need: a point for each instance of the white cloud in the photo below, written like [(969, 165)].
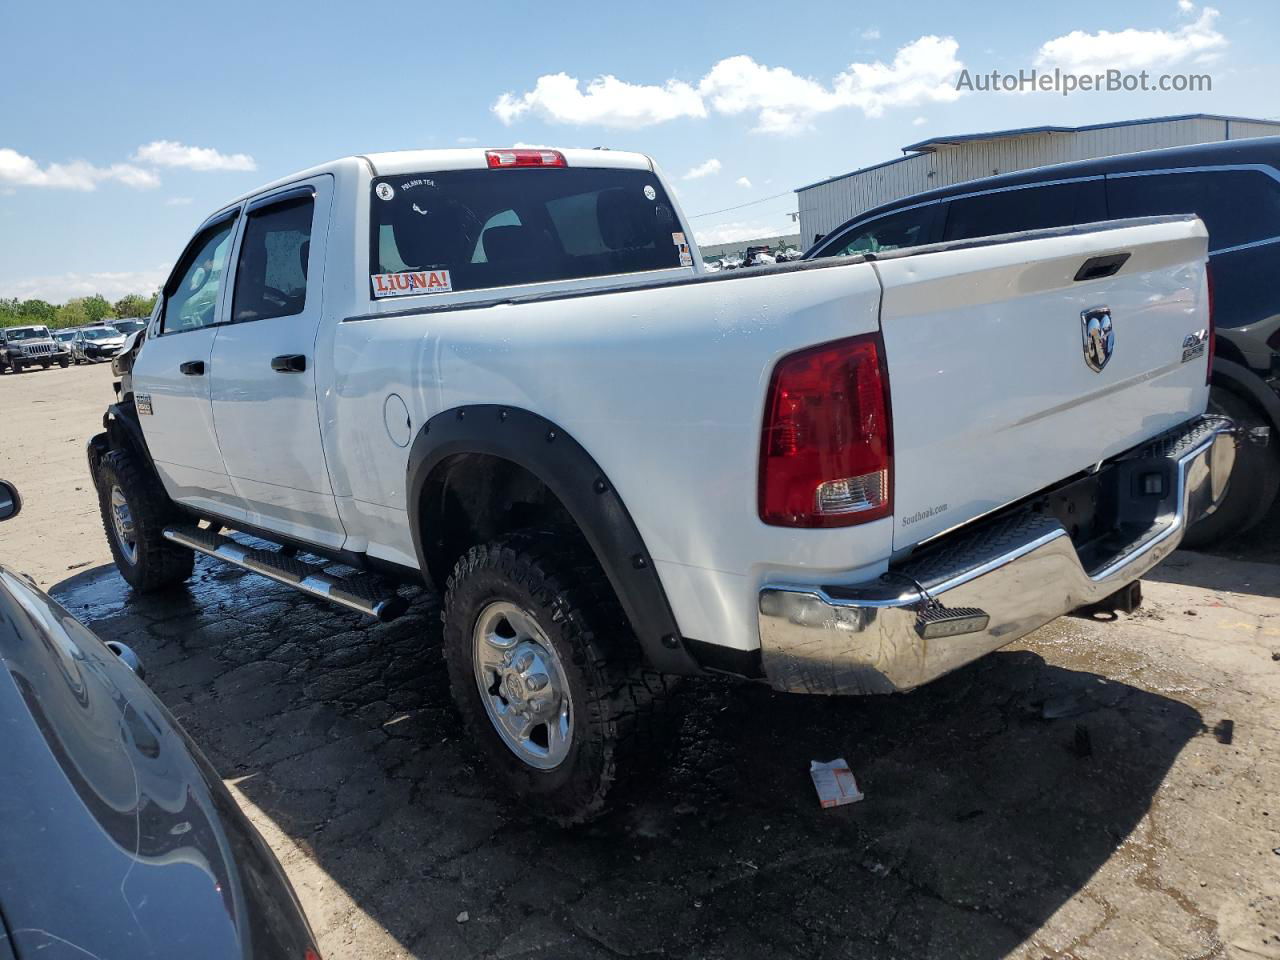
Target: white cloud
[(177, 202), (1134, 49), (923, 71), (919, 121), (607, 101), (466, 140), (60, 287), (170, 153), (743, 182), (712, 166), (871, 33), (738, 232), (19, 170)]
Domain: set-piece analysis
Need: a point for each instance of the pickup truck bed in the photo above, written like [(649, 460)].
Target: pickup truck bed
[(619, 476)]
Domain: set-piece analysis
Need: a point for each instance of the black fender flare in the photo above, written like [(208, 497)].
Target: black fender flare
[(564, 466), (1241, 380), (124, 431)]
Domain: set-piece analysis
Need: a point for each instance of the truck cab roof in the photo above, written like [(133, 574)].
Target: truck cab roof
[(393, 162)]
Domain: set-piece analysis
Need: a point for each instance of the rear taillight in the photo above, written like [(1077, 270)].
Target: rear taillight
[(1208, 280), (826, 450), (501, 159)]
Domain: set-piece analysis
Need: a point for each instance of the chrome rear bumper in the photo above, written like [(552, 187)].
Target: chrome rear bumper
[(987, 585)]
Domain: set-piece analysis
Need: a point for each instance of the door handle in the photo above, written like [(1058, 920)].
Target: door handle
[(192, 368), (289, 363)]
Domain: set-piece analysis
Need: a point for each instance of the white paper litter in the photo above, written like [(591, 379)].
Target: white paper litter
[(834, 783)]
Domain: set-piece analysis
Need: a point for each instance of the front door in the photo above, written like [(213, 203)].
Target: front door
[(171, 375), (263, 367)]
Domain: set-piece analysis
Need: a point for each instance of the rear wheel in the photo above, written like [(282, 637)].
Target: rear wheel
[(134, 510), (45, 364), (64, 363), (1255, 478), (547, 674)]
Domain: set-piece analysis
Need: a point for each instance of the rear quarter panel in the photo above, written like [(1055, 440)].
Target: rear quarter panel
[(663, 386)]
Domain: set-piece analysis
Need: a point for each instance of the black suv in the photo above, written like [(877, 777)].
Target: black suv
[(1234, 187)]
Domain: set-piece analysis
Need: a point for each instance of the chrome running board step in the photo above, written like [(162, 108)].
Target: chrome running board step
[(361, 593)]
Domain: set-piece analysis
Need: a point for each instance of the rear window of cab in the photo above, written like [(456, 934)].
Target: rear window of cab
[(477, 229)]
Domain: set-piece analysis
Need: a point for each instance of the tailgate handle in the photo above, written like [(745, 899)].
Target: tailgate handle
[(192, 368), (289, 363), (1095, 268)]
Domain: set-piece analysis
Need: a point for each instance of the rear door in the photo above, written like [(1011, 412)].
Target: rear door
[(171, 374), (1241, 208), (263, 380), (1012, 209), (993, 393)]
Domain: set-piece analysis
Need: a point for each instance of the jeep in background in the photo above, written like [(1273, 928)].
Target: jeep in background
[(30, 346), (1234, 187), (503, 373)]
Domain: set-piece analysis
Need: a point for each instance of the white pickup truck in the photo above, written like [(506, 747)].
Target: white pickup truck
[(504, 373)]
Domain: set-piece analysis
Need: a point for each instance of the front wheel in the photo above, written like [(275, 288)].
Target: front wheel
[(546, 672), (134, 510), (64, 364), (1255, 477)]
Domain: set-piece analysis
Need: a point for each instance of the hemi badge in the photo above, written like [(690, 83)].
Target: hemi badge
[(142, 401)]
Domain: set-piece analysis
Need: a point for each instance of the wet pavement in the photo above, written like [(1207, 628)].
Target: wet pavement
[(1102, 791)]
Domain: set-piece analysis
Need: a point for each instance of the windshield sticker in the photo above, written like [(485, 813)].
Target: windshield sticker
[(411, 282), (385, 191), (678, 239), (410, 184), (650, 193)]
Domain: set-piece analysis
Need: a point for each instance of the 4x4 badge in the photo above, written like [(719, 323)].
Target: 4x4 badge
[(1099, 337)]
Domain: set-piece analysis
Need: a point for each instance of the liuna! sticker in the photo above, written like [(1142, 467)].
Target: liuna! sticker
[(411, 282)]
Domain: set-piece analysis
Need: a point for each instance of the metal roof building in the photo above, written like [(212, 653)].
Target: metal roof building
[(942, 161)]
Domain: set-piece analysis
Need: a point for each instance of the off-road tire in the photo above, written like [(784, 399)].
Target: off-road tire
[(64, 364), (1255, 478), (622, 710), (159, 563), (45, 364)]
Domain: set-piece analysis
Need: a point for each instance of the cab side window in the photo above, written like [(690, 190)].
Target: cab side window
[(907, 228), (271, 275), (1026, 208), (192, 301), (1237, 206)]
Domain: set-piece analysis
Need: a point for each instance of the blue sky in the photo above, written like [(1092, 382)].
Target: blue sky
[(122, 125)]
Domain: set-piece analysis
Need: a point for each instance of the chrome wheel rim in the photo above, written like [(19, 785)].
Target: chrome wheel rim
[(522, 685), (122, 520)]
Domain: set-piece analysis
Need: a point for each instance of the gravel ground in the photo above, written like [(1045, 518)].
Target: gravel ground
[(1100, 790)]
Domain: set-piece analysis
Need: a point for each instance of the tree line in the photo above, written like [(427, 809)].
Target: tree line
[(74, 313)]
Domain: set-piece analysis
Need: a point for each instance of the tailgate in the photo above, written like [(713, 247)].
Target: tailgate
[(993, 395)]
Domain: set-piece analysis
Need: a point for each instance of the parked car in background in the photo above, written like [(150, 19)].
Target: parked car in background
[(758, 256), (1234, 187), (95, 344), (62, 348), (617, 468), (29, 346), (117, 837)]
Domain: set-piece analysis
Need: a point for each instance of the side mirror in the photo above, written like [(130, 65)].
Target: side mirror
[(10, 502)]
